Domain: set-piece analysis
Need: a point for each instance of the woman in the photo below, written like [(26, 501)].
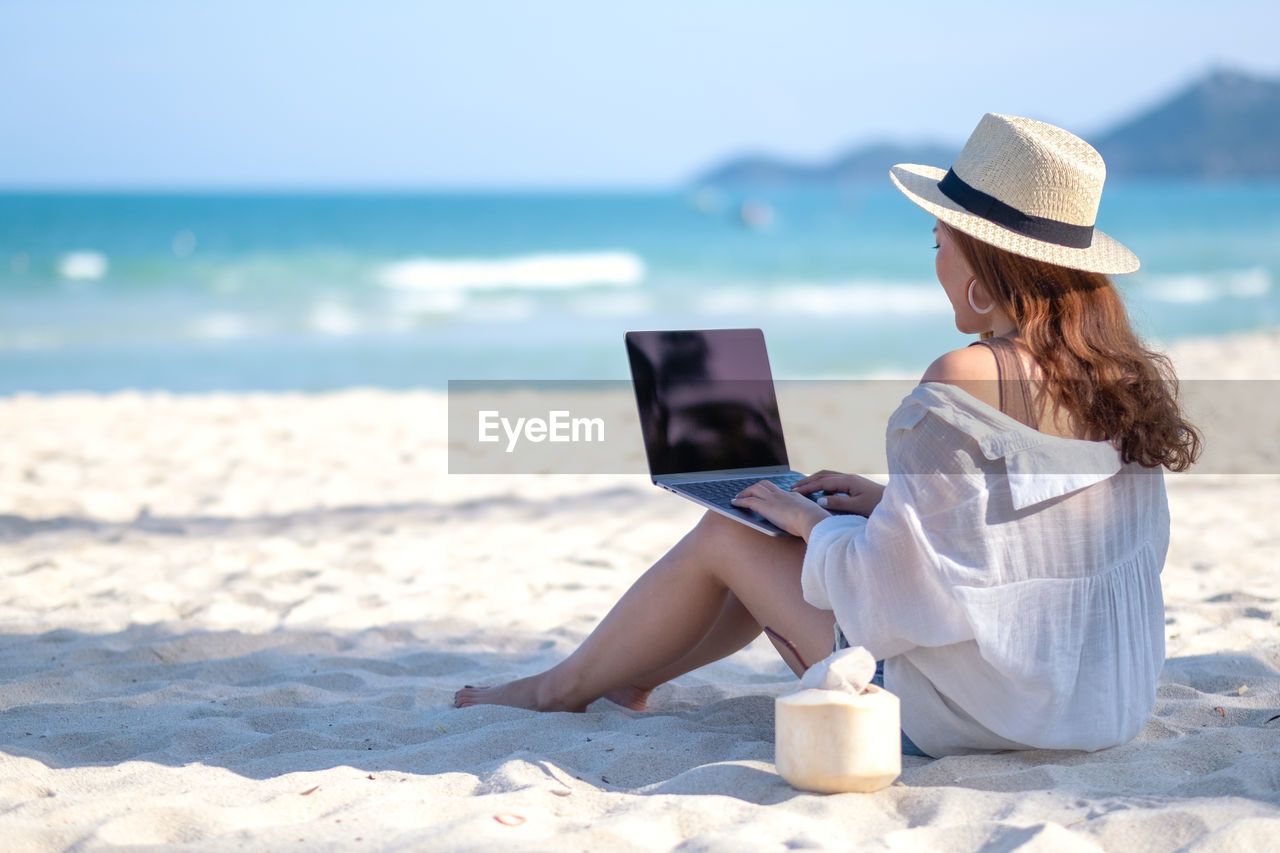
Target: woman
[(1008, 573)]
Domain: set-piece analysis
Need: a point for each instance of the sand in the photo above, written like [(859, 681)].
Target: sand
[(237, 622)]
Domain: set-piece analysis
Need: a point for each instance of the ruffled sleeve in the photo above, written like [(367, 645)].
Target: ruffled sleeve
[(882, 575)]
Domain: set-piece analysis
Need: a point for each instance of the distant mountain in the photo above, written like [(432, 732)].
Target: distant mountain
[(1224, 126), (759, 170), (873, 161), (860, 164)]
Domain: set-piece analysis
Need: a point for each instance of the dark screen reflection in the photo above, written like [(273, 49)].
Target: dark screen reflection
[(706, 400)]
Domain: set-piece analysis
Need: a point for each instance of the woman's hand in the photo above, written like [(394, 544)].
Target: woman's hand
[(842, 492), (791, 511)]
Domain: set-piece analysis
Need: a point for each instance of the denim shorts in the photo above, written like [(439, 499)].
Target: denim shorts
[(908, 748)]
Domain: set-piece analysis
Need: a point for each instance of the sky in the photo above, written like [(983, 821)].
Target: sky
[(579, 94)]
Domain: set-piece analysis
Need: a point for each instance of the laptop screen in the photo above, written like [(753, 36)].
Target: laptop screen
[(706, 400)]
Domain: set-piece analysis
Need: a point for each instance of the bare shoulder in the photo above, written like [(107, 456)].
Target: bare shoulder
[(972, 369), (963, 365)]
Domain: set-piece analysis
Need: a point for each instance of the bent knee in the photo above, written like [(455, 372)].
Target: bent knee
[(722, 534), (713, 524)]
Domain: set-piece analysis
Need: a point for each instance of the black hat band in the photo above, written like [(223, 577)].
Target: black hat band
[(994, 210)]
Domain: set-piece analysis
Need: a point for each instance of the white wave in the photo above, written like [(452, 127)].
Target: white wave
[(861, 299), (82, 266), (407, 302), (219, 327), (1250, 283), (1198, 289), (849, 299), (544, 271), (332, 318)]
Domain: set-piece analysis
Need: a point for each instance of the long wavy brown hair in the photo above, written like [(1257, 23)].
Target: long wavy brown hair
[(1096, 370)]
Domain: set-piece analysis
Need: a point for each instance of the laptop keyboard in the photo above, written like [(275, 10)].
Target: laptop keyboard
[(720, 492)]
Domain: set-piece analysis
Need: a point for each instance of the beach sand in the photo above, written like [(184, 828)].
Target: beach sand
[(237, 621)]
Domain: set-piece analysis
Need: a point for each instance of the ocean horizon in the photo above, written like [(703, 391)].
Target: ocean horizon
[(313, 291)]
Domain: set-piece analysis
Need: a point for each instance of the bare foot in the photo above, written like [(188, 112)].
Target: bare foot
[(629, 696), (532, 693)]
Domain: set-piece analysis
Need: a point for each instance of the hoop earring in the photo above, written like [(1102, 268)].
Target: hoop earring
[(974, 305)]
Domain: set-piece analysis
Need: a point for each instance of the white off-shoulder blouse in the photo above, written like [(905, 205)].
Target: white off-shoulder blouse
[(1010, 580)]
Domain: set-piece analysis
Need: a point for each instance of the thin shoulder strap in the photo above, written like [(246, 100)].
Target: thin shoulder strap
[(1015, 385)]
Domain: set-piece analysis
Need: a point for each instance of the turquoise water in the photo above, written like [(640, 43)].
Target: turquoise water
[(311, 292)]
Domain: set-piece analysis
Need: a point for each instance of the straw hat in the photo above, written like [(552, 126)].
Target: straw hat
[(1024, 186)]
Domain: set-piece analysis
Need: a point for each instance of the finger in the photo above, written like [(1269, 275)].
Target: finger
[(814, 476), (760, 488), (837, 503), (754, 501), (813, 483)]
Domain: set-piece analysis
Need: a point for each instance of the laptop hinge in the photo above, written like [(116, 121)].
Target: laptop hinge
[(725, 474)]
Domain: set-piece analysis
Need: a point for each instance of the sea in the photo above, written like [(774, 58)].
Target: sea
[(313, 291)]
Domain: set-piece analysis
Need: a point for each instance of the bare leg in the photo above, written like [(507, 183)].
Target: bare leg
[(733, 629), (671, 610)]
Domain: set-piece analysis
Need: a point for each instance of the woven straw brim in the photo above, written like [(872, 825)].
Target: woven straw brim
[(920, 184)]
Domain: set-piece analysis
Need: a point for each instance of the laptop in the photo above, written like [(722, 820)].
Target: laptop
[(709, 415)]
